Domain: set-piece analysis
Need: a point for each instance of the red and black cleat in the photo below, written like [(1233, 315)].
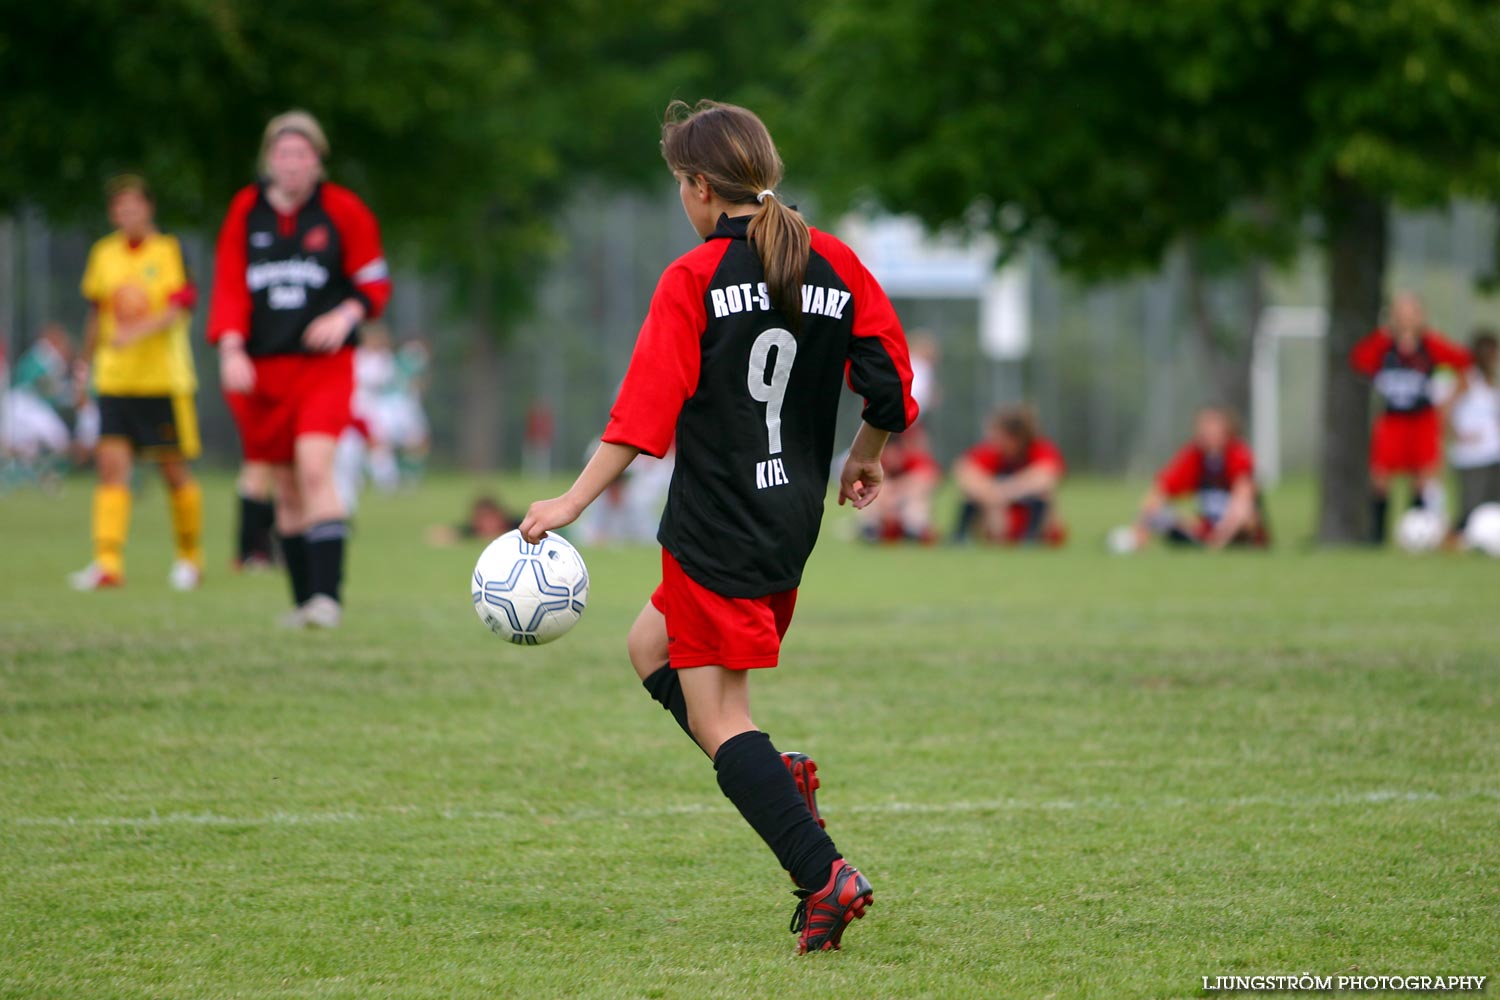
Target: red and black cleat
[(822, 915), (805, 774)]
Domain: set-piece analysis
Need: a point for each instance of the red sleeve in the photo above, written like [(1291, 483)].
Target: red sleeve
[(663, 370), (987, 457), (1239, 461), (879, 365), (229, 301), (364, 260), (1446, 352), (1366, 356), (185, 297), (1183, 474), (1046, 454)]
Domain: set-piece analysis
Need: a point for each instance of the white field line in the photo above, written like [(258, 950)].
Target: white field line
[(958, 808)]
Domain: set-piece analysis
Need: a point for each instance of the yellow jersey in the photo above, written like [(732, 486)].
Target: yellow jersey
[(127, 282)]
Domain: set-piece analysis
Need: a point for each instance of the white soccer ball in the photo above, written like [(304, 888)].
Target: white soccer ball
[(1123, 540), (1482, 532), (530, 594), (1420, 530)]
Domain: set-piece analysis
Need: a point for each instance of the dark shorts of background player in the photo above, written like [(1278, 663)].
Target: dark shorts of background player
[(159, 428), (708, 629), (294, 395)]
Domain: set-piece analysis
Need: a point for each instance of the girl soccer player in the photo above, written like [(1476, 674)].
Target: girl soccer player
[(739, 361), (140, 297), (298, 267)]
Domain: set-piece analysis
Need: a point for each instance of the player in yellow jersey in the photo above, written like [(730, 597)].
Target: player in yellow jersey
[(140, 297)]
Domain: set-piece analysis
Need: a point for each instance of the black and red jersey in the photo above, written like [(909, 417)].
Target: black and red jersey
[(1211, 475), (274, 274), (752, 404), (1404, 380)]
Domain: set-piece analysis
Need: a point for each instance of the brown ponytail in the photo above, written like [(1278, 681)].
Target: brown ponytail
[(734, 152)]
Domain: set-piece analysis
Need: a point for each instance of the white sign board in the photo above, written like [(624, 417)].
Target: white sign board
[(911, 263)]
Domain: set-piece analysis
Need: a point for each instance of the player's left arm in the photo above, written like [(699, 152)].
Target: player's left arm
[(1037, 479), (1450, 355), (879, 364), (364, 265), (1237, 515), (178, 308)]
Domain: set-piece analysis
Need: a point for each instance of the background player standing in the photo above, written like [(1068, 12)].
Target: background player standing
[(1408, 435), (741, 356), (140, 298), (1474, 451), (299, 266)]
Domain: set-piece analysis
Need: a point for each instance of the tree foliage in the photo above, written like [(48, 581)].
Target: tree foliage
[(465, 122), (1112, 131)]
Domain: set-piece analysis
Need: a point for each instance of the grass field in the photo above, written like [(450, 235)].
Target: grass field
[(1067, 775)]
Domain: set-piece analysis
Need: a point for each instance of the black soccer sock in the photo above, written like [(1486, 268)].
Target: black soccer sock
[(294, 551), (968, 514), (1036, 518), (325, 557), (257, 518), (1178, 535), (666, 688), (1379, 505), (753, 777)]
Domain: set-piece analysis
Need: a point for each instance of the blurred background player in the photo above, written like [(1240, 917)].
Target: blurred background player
[(486, 521), (1217, 468), (912, 476), (1400, 359), (34, 439), (140, 299), (1474, 451), (1009, 483), (298, 268)]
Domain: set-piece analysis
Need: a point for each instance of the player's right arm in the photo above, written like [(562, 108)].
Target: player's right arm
[(1366, 356), (229, 304), (663, 373)]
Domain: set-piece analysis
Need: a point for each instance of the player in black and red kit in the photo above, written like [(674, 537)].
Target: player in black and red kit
[(740, 360), (1408, 435), (298, 267), (1218, 469)]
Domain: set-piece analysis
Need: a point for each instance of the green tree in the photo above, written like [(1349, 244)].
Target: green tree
[(1113, 131)]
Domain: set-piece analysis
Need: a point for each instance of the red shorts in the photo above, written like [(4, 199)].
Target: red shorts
[(708, 629), (1408, 443), (294, 394)]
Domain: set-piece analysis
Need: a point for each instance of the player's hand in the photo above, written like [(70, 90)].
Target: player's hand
[(236, 371), (328, 332), (127, 332), (860, 481), (548, 515)]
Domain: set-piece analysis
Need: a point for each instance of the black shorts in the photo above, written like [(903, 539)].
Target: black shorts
[(155, 426)]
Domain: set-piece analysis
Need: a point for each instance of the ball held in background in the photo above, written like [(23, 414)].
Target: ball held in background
[(1420, 530), (530, 594), (1482, 531)]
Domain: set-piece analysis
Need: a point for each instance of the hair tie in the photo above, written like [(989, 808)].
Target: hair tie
[(767, 193)]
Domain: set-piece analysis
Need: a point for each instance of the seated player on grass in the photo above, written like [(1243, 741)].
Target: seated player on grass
[(1217, 468), (487, 520), (1009, 482), (912, 476)]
